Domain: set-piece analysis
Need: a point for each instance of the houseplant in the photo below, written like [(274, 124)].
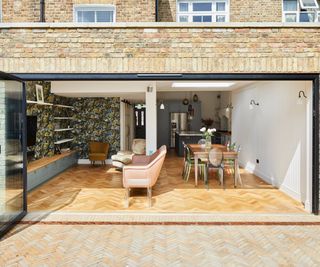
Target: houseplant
[(207, 134)]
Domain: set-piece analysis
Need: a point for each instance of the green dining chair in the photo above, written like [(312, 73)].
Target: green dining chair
[(189, 163)]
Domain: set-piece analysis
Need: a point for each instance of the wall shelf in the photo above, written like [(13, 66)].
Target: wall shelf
[(39, 103), (62, 106), (63, 130), (63, 118), (62, 141)]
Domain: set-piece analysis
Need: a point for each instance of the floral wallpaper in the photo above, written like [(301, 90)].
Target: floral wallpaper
[(96, 119)]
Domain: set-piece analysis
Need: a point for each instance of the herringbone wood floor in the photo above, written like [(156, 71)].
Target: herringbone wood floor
[(99, 189)]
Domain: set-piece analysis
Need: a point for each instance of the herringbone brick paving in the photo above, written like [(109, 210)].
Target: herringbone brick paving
[(127, 245)]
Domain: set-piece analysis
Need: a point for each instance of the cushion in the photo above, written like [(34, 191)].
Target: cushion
[(124, 152), (139, 146), (125, 159)]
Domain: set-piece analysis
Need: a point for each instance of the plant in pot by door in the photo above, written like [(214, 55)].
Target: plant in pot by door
[(207, 134)]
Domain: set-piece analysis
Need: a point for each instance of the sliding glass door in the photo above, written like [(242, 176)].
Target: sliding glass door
[(12, 156)]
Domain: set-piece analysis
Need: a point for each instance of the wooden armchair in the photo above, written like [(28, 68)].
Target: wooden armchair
[(98, 151), (143, 172)]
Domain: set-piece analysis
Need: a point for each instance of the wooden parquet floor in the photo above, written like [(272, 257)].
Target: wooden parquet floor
[(99, 189)]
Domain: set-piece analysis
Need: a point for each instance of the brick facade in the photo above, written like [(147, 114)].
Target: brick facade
[(256, 11), (136, 10), (240, 10), (62, 10), (160, 49), (167, 10)]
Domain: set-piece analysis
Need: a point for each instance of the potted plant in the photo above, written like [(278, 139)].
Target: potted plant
[(207, 134)]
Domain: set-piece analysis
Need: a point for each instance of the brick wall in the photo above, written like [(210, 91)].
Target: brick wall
[(160, 49), (167, 10), (240, 10), (20, 10), (256, 11), (62, 10), (3, 149)]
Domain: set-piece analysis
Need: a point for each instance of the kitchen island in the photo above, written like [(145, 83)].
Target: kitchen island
[(193, 137)]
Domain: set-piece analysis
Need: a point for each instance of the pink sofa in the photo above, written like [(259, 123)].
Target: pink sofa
[(143, 172)]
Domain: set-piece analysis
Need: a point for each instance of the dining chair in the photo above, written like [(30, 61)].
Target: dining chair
[(230, 164), (189, 163), (215, 162)]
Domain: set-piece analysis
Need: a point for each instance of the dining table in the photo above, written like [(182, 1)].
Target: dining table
[(199, 151)]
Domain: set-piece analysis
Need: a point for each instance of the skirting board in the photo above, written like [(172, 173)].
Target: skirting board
[(87, 161), (272, 181)]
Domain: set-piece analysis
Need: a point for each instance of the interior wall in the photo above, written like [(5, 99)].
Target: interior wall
[(45, 118), (127, 126), (275, 133), (96, 119), (210, 101)]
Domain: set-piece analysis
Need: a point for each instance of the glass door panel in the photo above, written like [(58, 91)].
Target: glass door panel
[(12, 158)]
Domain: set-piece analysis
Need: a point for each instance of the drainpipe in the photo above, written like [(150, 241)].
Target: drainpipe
[(42, 11), (157, 10)]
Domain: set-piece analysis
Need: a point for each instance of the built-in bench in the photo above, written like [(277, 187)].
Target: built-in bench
[(42, 170)]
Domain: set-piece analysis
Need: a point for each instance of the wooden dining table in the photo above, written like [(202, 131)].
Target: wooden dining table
[(201, 152)]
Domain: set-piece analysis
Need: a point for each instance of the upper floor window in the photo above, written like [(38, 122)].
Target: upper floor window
[(301, 11), (94, 13), (202, 11)]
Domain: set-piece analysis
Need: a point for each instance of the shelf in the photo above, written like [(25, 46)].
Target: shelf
[(39, 103), (63, 118), (62, 106), (62, 141), (63, 130)]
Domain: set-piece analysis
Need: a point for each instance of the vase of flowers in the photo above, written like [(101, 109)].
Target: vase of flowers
[(207, 134)]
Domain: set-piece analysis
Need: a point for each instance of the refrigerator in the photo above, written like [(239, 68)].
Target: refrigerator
[(178, 122)]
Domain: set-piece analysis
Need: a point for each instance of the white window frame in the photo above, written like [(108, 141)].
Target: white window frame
[(306, 7), (298, 13), (212, 13), (93, 7)]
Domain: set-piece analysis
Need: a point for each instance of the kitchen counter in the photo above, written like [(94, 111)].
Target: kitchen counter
[(195, 133), (189, 133), (193, 137)]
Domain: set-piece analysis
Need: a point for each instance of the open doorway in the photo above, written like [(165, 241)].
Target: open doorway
[(276, 183)]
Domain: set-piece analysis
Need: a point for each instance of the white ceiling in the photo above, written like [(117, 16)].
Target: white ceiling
[(128, 89)]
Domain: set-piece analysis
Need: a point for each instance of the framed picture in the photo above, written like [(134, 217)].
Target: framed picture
[(39, 91)]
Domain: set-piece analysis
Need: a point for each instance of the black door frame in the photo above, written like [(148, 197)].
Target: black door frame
[(314, 77), (6, 76)]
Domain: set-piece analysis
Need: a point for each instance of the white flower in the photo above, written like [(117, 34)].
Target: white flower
[(212, 130), (203, 129)]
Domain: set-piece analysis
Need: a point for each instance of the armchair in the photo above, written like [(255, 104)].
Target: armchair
[(98, 151), (143, 172)]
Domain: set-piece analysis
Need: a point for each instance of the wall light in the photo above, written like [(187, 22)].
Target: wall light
[(149, 89), (253, 103), (302, 96)]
